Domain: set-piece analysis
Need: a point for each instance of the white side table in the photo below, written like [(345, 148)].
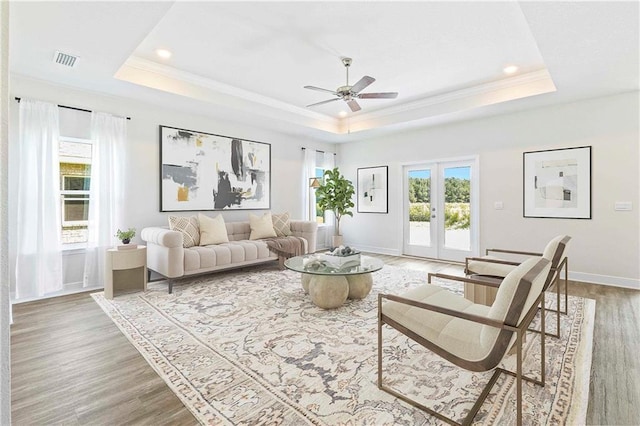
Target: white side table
[(125, 270)]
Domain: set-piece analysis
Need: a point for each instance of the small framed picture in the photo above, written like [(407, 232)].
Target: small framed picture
[(557, 183), (373, 196)]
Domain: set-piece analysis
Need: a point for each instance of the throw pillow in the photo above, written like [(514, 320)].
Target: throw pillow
[(261, 227), (281, 224), (212, 230), (188, 226)]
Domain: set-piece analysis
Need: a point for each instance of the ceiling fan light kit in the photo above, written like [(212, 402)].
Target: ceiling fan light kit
[(349, 94)]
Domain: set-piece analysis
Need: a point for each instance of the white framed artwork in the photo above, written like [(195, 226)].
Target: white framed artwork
[(373, 196), (557, 183)]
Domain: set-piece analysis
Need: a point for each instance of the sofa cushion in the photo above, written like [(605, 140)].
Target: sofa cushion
[(188, 227), (281, 224), (261, 227), (212, 230), (223, 255), (237, 231)]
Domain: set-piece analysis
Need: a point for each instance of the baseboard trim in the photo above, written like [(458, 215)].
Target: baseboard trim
[(605, 280), (70, 288), (584, 277), (378, 250)]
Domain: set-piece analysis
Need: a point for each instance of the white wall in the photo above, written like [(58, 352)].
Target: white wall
[(142, 176), (5, 308), (605, 249)]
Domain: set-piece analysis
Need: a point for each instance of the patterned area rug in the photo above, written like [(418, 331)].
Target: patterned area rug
[(249, 347)]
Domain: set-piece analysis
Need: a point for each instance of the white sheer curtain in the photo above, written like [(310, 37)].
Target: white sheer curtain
[(328, 162), (308, 172), (39, 247), (108, 134)]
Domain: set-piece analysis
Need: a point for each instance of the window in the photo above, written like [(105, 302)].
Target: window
[(75, 180), (319, 174), (324, 161), (315, 164), (75, 198)]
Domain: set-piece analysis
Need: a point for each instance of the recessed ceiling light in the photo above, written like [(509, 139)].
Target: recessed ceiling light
[(510, 69), (163, 53), (342, 113)]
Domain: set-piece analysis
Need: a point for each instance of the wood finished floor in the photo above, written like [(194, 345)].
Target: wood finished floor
[(71, 365)]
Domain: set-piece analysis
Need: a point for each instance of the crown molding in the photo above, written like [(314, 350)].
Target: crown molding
[(468, 92), (507, 89), (162, 77)]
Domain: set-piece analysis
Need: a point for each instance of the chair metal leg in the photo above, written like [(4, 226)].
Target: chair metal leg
[(557, 311), (566, 286), (558, 306), (519, 378), (379, 341), (542, 340)]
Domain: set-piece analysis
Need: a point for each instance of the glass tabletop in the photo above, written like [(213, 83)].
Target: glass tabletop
[(315, 265)]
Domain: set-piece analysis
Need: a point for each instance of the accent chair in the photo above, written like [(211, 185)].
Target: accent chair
[(472, 336), (489, 271)]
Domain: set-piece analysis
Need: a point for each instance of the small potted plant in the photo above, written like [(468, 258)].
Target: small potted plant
[(335, 194), (126, 236)]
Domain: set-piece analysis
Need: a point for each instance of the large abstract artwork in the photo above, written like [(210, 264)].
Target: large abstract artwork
[(203, 171), (557, 183), (372, 190)]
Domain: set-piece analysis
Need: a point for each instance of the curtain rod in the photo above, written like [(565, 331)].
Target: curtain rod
[(317, 150), (73, 108)]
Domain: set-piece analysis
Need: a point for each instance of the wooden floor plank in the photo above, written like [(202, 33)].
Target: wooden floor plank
[(71, 365)]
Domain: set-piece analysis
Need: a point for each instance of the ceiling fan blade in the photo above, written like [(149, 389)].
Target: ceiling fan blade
[(324, 102), (320, 89), (353, 105), (386, 95), (362, 83)]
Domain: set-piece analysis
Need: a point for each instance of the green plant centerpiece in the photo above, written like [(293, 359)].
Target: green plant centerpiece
[(335, 194), (126, 236)]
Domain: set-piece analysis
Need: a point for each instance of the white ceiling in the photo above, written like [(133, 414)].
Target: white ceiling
[(252, 59)]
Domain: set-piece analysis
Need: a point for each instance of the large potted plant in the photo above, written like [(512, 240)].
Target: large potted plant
[(335, 194)]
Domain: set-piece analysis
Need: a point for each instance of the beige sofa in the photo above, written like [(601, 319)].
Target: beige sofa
[(167, 256)]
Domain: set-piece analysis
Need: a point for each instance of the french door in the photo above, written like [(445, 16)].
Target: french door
[(440, 210)]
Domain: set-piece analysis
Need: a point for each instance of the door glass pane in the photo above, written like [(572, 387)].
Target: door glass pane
[(420, 207), (457, 213)]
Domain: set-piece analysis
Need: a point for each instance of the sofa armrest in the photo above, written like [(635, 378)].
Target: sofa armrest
[(165, 254), (162, 236), (307, 230)]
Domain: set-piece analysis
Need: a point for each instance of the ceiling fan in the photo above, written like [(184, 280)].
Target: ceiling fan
[(349, 94)]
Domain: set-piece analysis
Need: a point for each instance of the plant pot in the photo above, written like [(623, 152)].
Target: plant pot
[(337, 240), (126, 241)]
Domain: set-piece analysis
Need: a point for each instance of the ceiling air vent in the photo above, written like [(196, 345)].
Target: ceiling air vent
[(65, 59)]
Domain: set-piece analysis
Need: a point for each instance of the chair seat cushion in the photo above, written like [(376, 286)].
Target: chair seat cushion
[(487, 268), (457, 336)]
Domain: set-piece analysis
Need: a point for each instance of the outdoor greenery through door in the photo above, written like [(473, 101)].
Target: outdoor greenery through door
[(438, 212)]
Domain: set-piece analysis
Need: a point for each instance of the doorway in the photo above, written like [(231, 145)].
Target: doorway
[(440, 209)]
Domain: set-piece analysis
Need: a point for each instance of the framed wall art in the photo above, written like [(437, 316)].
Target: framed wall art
[(373, 194), (557, 183), (205, 171)]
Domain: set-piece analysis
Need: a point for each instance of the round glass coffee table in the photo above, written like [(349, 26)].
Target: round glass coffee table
[(330, 286)]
